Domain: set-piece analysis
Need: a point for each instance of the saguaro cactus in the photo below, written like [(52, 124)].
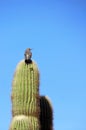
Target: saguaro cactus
[(25, 90), (46, 113), (25, 97), (30, 111)]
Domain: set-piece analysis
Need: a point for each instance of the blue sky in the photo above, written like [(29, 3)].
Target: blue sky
[(56, 30)]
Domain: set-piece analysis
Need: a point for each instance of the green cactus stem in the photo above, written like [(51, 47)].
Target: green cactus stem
[(20, 123), (25, 90), (24, 123), (34, 122), (46, 114)]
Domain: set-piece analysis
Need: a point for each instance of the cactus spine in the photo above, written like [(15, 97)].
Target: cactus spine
[(46, 113), (25, 97)]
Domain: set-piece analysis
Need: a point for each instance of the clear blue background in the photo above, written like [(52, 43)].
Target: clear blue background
[(56, 30)]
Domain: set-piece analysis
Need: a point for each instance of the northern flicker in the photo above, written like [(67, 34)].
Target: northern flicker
[(28, 55)]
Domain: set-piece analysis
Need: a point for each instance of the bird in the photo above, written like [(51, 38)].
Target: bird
[(28, 55)]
